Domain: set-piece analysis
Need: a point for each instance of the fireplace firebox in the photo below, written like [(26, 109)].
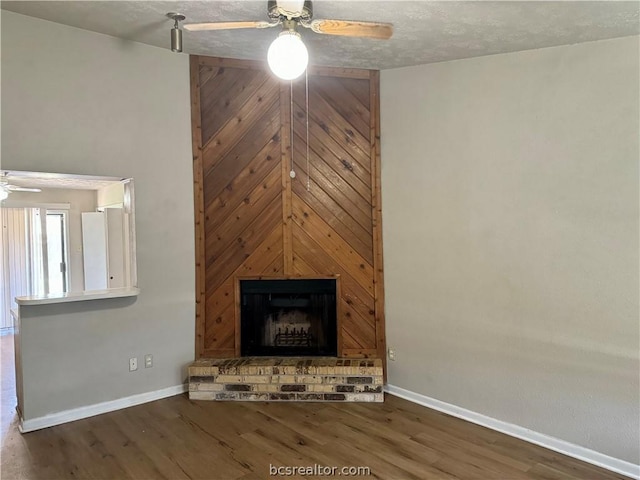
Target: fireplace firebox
[(288, 317)]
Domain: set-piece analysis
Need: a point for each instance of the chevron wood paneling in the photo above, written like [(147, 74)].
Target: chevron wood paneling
[(253, 220)]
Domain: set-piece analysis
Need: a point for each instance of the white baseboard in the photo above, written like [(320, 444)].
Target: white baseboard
[(576, 451), (97, 409)]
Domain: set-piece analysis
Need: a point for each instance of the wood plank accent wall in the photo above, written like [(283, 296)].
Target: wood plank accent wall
[(253, 219)]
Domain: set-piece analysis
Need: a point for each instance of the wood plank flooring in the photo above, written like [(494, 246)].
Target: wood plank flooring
[(176, 438)]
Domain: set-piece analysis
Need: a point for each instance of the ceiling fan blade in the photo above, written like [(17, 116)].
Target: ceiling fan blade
[(198, 27), (15, 188), (382, 31)]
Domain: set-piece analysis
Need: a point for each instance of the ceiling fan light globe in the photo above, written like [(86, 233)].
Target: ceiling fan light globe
[(3, 194), (288, 56)]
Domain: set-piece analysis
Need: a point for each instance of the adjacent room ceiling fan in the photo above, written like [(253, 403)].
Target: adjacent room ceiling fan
[(288, 55), (6, 188)]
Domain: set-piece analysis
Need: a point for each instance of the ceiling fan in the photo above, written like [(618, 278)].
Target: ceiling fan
[(6, 188), (288, 55)]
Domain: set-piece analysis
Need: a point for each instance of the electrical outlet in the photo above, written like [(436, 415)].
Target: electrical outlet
[(392, 354), (133, 364), (148, 360)]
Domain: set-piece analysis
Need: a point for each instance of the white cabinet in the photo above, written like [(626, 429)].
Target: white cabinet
[(105, 249)]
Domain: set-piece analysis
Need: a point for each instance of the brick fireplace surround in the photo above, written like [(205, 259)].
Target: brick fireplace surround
[(288, 338), (317, 379)]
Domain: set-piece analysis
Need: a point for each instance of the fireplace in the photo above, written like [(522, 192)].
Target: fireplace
[(288, 317)]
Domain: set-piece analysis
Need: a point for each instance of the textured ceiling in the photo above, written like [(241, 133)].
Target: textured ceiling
[(425, 31)]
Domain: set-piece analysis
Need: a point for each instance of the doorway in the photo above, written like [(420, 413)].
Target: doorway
[(56, 238), (33, 260)]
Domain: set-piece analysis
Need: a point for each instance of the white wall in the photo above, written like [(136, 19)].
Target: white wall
[(510, 207), (74, 101), (79, 201)]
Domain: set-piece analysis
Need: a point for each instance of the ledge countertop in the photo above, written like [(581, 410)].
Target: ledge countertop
[(78, 296)]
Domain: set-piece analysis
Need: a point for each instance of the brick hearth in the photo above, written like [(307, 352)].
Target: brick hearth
[(286, 379)]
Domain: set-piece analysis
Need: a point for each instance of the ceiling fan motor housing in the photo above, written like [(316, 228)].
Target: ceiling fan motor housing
[(286, 9)]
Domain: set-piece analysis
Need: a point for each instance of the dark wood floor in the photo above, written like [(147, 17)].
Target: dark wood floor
[(176, 438)]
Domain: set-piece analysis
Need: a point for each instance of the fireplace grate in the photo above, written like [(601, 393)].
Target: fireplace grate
[(288, 317), (293, 338)]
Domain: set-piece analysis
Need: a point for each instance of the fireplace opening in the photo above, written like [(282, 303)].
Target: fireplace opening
[(293, 317)]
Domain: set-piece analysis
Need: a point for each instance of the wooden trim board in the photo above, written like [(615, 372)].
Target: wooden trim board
[(198, 202)]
